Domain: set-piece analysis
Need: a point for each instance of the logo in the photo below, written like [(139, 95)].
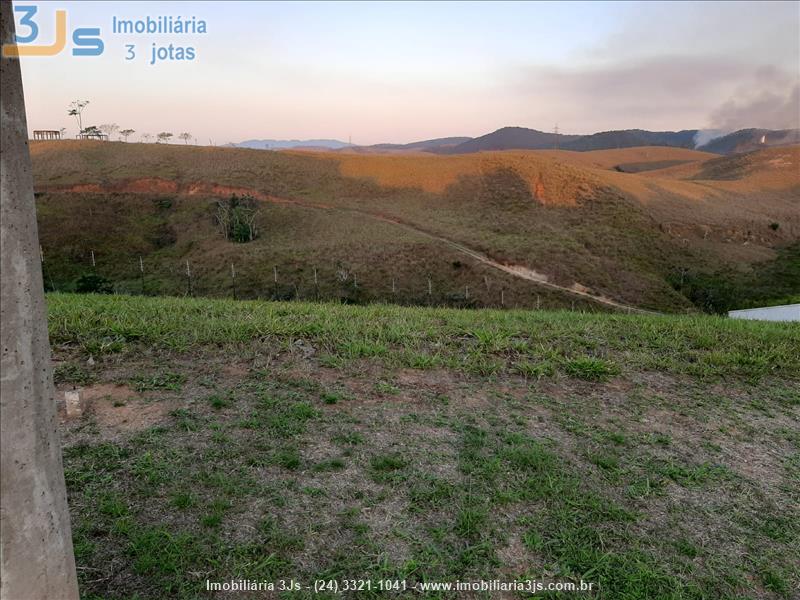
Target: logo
[(86, 41)]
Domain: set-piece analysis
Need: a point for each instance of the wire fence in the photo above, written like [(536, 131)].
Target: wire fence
[(325, 282)]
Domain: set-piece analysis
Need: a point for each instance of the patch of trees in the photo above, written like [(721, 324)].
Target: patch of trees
[(236, 218), (92, 130), (769, 283), (710, 292)]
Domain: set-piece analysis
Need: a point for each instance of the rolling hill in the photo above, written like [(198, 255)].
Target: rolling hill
[(747, 140), (511, 138), (631, 138), (519, 228)]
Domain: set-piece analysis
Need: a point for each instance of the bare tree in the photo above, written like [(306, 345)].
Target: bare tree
[(163, 137), (75, 109), (126, 133), (342, 271), (249, 219), (223, 218), (185, 136), (109, 129), (146, 137)]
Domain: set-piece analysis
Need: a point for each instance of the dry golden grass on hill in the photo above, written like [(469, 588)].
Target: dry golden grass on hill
[(608, 159), (558, 177), (551, 182)]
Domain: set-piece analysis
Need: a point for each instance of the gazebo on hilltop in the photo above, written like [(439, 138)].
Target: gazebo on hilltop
[(46, 134)]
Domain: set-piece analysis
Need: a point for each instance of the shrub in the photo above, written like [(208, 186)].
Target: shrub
[(591, 369), (92, 283)]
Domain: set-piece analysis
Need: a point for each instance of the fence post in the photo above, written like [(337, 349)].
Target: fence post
[(46, 275), (502, 297), (233, 281), (275, 282), (466, 293), (316, 285), (538, 302), (141, 273), (93, 263), (189, 289)]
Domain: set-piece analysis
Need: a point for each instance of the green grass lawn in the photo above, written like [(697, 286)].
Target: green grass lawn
[(655, 456)]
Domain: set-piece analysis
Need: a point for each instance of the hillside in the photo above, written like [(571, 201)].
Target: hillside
[(617, 158), (652, 456), (528, 229), (632, 138), (747, 140)]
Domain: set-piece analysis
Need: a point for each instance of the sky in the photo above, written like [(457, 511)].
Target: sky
[(406, 71)]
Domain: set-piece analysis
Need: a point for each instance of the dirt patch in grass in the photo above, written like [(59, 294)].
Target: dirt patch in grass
[(116, 410), (236, 369)]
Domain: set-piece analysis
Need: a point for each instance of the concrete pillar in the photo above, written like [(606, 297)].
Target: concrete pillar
[(36, 560)]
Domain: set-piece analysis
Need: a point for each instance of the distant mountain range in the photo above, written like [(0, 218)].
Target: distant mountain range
[(435, 145), (518, 138), (285, 144), (521, 138)]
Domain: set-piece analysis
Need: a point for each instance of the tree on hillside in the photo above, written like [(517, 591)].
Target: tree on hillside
[(109, 129), (185, 136), (126, 133), (164, 137), (75, 109), (146, 137), (92, 131)]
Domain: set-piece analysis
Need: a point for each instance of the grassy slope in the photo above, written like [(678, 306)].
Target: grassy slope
[(702, 346), (527, 208), (656, 457)]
